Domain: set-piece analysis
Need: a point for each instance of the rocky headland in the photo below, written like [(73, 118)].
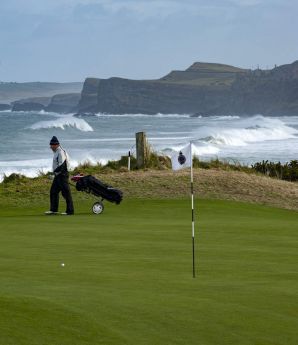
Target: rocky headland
[(36, 96), (202, 89), (4, 106)]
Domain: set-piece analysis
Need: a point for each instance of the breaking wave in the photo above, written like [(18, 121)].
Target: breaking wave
[(248, 139), (224, 117), (29, 168), (143, 115), (33, 168), (245, 131), (62, 122), (198, 149)]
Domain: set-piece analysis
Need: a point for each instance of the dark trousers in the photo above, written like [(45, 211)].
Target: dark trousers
[(60, 184)]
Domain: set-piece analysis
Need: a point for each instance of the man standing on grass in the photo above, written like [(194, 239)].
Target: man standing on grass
[(60, 182)]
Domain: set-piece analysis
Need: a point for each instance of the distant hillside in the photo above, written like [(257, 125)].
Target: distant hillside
[(203, 88), (205, 74), (10, 92)]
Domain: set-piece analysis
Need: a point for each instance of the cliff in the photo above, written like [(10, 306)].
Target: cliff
[(61, 103), (89, 95), (270, 92), (203, 88), (30, 104), (27, 106), (10, 92), (4, 106), (64, 103)]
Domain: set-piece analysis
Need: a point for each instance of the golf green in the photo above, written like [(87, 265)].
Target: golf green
[(127, 275)]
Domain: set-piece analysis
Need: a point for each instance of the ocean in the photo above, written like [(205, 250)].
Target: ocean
[(25, 136)]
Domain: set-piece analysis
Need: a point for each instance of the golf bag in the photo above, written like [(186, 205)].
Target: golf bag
[(90, 184)]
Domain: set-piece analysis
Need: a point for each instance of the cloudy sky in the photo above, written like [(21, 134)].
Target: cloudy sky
[(68, 40)]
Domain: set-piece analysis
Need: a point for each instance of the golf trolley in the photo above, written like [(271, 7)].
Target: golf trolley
[(91, 185)]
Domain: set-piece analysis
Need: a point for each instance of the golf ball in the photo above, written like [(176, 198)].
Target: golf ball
[(62, 264)]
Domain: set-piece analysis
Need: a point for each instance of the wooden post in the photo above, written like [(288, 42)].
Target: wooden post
[(141, 149)]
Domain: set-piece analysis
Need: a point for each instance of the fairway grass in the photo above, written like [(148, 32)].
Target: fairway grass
[(127, 277)]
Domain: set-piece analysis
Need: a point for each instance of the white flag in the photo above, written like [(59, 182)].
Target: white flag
[(182, 159)]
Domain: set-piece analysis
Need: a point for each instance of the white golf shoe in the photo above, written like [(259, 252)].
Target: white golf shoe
[(49, 213)]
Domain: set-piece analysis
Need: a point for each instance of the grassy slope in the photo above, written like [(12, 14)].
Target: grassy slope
[(127, 276), (210, 75), (210, 184)]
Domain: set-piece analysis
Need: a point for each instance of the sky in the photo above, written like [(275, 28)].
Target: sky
[(69, 40)]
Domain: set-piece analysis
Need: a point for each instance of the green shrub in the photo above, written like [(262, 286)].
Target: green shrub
[(287, 171), (12, 178), (122, 162), (87, 168), (156, 161), (222, 165)]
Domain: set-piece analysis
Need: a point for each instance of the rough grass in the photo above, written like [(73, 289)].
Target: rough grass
[(165, 184)]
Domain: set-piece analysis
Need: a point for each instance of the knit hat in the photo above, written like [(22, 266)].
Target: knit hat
[(54, 141)]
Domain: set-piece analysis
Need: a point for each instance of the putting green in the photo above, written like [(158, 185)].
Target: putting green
[(127, 277)]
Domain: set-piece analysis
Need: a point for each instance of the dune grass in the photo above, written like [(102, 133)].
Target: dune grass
[(127, 277), (210, 183)]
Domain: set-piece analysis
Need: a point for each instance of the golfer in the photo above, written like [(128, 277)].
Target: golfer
[(60, 182)]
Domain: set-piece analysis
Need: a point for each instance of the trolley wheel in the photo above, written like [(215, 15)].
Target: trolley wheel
[(97, 207)]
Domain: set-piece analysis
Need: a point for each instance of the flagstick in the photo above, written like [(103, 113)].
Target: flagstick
[(128, 167), (192, 215)]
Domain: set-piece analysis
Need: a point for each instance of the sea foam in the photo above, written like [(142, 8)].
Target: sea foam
[(244, 131), (62, 122), (33, 168), (144, 115)]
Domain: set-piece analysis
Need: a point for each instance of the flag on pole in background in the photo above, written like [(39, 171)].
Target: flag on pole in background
[(183, 158)]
